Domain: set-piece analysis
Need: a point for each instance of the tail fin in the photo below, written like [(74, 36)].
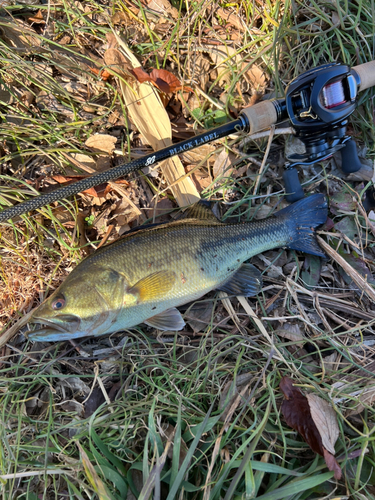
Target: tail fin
[(303, 217)]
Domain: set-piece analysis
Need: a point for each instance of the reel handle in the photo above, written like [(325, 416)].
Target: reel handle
[(349, 157), (292, 184)]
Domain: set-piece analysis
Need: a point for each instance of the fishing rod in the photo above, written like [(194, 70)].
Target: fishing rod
[(318, 104)]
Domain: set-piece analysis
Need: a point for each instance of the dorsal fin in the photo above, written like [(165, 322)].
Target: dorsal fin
[(200, 210)]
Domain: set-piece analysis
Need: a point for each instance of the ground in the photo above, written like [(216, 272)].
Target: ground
[(198, 415)]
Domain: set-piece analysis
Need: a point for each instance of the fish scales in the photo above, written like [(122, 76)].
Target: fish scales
[(149, 272), (202, 255)]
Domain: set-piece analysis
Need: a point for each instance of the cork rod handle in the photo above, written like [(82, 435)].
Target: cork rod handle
[(260, 116), (366, 73)]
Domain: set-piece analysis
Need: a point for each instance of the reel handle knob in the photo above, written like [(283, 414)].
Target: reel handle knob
[(292, 184), (349, 156)]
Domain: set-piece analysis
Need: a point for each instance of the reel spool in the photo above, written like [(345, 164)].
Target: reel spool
[(318, 104)]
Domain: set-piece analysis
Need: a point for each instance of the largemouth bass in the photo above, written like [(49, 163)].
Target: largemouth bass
[(145, 275)]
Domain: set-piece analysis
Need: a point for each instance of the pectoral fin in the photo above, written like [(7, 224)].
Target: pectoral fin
[(247, 281), (170, 319), (153, 286)]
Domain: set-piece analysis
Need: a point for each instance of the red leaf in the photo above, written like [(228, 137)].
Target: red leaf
[(166, 81), (97, 191), (101, 73), (141, 75), (162, 79), (296, 411)]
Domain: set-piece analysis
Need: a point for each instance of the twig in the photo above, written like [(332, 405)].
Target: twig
[(356, 277), (260, 174)]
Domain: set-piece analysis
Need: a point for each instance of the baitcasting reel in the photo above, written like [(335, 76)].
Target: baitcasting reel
[(318, 104)]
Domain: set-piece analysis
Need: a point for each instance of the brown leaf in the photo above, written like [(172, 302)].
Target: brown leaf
[(255, 75), (324, 417), (118, 63), (231, 18), (296, 411), (166, 81), (102, 142), (291, 331), (36, 18), (162, 7), (141, 74), (97, 191), (223, 164)]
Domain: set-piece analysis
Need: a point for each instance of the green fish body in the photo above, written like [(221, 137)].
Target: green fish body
[(149, 272)]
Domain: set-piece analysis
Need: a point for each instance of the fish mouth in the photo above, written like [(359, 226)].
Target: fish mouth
[(63, 327)]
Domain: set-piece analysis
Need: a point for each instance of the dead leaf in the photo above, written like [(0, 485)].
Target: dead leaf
[(73, 406), (5, 95), (298, 415), (163, 7), (83, 159), (102, 142), (223, 164), (103, 74), (96, 191), (162, 79), (117, 63), (102, 163), (75, 384), (36, 18), (291, 331), (332, 464), (167, 81), (200, 177), (256, 76), (231, 18), (141, 75), (17, 33), (324, 417), (198, 70), (160, 208)]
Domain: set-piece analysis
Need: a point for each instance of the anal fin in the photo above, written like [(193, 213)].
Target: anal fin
[(246, 281), (170, 319)]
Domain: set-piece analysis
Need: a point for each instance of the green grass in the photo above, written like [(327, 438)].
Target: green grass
[(194, 417)]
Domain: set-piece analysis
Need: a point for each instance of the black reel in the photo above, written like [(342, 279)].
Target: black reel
[(318, 104)]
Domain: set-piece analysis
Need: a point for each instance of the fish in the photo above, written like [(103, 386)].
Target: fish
[(144, 276)]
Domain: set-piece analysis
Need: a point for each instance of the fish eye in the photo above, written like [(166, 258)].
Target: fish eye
[(58, 303)]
